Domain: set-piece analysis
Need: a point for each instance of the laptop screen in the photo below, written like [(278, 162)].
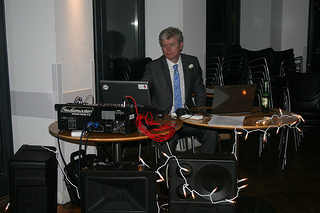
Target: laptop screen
[(113, 92), (233, 99)]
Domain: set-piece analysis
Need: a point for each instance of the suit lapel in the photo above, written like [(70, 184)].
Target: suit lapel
[(167, 77), (186, 74), (165, 69)]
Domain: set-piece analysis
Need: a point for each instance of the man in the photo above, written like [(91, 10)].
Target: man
[(163, 88)]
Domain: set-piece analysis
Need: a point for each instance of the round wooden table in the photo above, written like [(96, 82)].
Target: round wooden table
[(256, 120), (253, 120), (116, 139)]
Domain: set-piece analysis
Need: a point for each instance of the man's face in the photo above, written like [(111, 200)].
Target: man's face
[(171, 49)]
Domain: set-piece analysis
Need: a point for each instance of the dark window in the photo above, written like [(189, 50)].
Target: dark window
[(222, 24), (118, 33), (6, 146)]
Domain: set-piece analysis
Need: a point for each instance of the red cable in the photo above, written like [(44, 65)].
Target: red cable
[(150, 122)]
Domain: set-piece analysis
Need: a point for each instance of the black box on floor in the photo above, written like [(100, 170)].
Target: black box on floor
[(33, 180), (205, 173), (121, 187)]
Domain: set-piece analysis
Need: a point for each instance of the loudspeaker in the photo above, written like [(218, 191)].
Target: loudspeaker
[(33, 180), (205, 173), (120, 187)]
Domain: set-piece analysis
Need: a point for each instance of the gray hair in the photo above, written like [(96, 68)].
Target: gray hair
[(170, 32)]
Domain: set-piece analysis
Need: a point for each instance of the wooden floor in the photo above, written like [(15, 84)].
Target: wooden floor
[(294, 189)]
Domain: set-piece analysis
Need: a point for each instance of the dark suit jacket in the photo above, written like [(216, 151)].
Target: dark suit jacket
[(158, 76)]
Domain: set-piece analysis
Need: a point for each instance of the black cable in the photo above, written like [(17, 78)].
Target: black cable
[(64, 162), (80, 141), (78, 100), (85, 145), (87, 98)]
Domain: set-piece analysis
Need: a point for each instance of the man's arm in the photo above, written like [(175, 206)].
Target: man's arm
[(199, 88)]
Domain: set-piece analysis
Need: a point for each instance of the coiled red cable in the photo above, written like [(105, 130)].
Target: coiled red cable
[(150, 122)]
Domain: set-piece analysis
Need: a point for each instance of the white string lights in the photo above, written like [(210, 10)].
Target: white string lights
[(266, 122), (237, 130), (186, 187)]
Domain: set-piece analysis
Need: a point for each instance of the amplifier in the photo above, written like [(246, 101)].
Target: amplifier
[(115, 119)]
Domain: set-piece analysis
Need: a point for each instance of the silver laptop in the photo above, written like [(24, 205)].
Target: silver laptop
[(113, 92), (233, 99)]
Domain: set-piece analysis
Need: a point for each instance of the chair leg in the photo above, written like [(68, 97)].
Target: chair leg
[(282, 141), (260, 144), (182, 143), (140, 149), (297, 138), (186, 143), (157, 153), (193, 144), (284, 160)]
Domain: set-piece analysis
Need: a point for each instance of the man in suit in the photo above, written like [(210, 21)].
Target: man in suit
[(161, 77)]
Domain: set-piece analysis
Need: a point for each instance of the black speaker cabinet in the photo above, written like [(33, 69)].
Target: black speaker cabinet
[(206, 172), (121, 187), (33, 180)]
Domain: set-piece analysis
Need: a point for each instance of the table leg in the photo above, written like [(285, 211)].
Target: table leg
[(116, 152)]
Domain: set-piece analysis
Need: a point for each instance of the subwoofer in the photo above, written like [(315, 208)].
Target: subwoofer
[(205, 172), (33, 180), (120, 187)]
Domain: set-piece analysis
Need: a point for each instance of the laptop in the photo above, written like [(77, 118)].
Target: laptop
[(113, 92), (233, 99)]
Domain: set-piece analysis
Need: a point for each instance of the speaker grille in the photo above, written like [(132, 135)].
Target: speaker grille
[(118, 188), (206, 172)]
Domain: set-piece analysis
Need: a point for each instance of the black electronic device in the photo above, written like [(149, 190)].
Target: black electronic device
[(233, 99), (113, 92), (110, 118), (33, 180), (121, 187), (205, 173)]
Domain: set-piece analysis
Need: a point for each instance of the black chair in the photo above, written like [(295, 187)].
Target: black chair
[(282, 59), (129, 70), (213, 72), (304, 91), (115, 41), (232, 70), (304, 100), (136, 68)]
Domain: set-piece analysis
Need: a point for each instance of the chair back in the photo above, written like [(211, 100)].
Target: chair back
[(304, 90), (137, 68)]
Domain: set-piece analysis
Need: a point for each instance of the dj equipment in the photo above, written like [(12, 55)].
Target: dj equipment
[(206, 172), (121, 187), (33, 180), (113, 118)]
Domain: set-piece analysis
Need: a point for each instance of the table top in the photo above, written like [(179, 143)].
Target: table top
[(97, 137), (254, 120)]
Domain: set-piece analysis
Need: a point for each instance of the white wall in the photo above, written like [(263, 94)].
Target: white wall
[(74, 42), (160, 15), (255, 24), (280, 24), (42, 36), (276, 24), (31, 51), (295, 27), (187, 15), (194, 29)]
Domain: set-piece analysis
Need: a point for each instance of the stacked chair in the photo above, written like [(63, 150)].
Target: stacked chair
[(304, 91), (235, 65)]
